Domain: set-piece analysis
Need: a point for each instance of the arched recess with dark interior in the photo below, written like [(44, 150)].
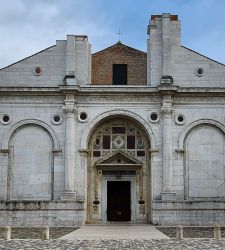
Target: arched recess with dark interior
[(118, 172)]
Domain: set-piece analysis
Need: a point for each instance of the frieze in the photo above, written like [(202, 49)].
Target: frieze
[(79, 99), (31, 99), (219, 99), (23, 205), (118, 99), (39, 205)]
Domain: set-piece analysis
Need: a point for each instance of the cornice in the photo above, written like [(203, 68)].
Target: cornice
[(112, 90)]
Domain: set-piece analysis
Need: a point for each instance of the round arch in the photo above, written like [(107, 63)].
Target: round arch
[(12, 130), (186, 131), (115, 113)]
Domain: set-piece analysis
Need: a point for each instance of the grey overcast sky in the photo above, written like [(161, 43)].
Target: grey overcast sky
[(28, 26)]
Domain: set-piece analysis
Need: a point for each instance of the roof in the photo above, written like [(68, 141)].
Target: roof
[(119, 44)]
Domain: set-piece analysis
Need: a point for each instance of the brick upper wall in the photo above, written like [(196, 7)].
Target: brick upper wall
[(102, 65)]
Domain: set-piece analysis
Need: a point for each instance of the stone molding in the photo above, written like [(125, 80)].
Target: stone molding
[(18, 125), (186, 131), (84, 152), (189, 204)]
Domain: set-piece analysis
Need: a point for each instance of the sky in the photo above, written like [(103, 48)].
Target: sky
[(29, 26)]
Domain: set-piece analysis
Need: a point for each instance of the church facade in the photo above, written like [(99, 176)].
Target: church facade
[(118, 135)]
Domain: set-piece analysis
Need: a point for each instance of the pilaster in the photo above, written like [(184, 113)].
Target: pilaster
[(167, 109), (70, 110)]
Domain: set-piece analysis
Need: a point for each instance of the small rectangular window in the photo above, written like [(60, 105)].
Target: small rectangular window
[(140, 153), (118, 130), (106, 142), (130, 142), (119, 74), (96, 153)]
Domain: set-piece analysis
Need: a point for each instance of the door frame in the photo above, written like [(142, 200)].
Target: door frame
[(132, 180)]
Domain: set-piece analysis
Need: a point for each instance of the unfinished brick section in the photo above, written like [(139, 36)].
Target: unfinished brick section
[(102, 64)]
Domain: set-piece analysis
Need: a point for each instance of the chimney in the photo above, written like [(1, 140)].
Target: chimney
[(164, 33)]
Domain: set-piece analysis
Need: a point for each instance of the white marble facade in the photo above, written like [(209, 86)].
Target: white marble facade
[(50, 115)]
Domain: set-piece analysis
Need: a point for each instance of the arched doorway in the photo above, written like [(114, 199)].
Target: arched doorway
[(118, 172)]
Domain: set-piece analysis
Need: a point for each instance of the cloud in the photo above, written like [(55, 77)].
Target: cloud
[(28, 26)]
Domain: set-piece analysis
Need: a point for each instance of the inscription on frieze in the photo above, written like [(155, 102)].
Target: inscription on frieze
[(204, 99), (118, 99)]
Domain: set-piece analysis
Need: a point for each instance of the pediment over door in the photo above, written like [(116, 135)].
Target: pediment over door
[(119, 160)]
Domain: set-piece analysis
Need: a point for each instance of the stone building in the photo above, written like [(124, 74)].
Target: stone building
[(120, 135)]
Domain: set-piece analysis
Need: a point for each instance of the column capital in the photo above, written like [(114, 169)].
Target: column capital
[(84, 152), (69, 107), (167, 110)]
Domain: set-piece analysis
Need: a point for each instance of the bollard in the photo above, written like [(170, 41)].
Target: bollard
[(179, 232), (217, 232), (7, 235), (46, 233)]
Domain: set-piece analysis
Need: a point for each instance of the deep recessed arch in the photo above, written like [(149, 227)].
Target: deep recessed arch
[(119, 146), (115, 114)]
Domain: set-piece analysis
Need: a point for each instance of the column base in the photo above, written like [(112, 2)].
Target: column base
[(68, 195), (168, 196)]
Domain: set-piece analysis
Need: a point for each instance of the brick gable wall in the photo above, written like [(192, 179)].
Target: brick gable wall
[(102, 64)]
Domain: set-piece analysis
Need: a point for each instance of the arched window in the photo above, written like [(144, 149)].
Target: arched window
[(120, 135)]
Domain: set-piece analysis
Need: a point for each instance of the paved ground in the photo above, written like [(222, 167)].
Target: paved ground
[(192, 232), (115, 232), (165, 244), (111, 244), (37, 232)]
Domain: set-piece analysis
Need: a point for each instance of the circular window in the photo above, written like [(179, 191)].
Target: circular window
[(82, 117), (199, 71), (5, 119), (56, 119), (180, 119), (37, 71), (154, 117)]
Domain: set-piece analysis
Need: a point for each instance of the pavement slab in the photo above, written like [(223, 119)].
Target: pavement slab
[(117, 232)]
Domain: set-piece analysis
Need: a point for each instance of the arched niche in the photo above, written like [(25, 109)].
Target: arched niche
[(20, 124), (30, 144), (204, 150)]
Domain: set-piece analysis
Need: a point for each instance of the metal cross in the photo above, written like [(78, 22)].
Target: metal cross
[(119, 33)]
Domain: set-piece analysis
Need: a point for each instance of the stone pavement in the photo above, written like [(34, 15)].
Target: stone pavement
[(116, 232), (163, 244)]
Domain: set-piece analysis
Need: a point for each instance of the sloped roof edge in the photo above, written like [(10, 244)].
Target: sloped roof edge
[(116, 44), (116, 153), (27, 57), (203, 55)]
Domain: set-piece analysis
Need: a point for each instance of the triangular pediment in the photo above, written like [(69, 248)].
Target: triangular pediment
[(118, 159)]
